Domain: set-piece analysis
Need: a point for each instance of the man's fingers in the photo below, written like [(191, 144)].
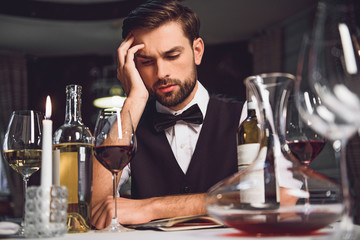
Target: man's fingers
[(97, 218), (123, 48), (131, 52), (127, 58), (102, 213)]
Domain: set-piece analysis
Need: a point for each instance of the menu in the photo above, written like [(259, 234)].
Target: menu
[(180, 223)]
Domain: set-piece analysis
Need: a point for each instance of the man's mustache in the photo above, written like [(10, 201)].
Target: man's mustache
[(166, 81)]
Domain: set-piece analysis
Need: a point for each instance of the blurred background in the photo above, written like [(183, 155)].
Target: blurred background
[(48, 44)]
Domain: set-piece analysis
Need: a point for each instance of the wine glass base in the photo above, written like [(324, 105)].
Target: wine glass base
[(20, 232), (115, 226)]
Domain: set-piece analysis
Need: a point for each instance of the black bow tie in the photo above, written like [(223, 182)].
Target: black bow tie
[(163, 121)]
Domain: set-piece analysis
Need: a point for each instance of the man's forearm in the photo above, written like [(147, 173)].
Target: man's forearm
[(178, 205), (135, 211), (136, 108)]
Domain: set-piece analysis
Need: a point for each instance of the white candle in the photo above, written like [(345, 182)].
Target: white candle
[(46, 155)]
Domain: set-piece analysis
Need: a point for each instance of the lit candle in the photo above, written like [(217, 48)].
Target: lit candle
[(46, 155)]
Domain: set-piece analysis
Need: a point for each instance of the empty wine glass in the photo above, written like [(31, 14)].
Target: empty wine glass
[(332, 126), (333, 53), (328, 90), (115, 145), (22, 145)]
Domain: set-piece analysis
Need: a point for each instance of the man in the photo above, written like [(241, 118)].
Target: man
[(174, 165)]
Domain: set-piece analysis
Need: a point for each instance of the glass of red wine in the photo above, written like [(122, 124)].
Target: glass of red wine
[(303, 142), (115, 145)]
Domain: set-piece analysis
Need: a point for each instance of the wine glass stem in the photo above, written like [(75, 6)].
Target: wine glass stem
[(307, 191), (340, 156), (114, 193), (25, 186)]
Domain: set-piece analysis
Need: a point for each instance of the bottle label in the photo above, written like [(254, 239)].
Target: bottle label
[(253, 189), (82, 172), (69, 174), (247, 153)]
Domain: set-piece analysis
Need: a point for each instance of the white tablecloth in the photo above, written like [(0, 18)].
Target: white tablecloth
[(205, 234)]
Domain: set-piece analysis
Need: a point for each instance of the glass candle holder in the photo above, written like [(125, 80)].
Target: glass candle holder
[(45, 211)]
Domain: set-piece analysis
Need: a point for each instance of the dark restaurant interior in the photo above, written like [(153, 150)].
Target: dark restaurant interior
[(46, 45)]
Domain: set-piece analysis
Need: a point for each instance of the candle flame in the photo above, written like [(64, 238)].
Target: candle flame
[(48, 108)]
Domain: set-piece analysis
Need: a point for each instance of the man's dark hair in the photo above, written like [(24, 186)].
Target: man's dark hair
[(155, 13)]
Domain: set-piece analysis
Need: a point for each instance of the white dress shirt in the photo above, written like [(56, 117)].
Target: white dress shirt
[(183, 136)]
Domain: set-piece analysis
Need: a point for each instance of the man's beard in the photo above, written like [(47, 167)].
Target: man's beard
[(172, 99)]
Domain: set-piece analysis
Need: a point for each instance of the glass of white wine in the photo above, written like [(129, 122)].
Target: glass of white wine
[(22, 145)]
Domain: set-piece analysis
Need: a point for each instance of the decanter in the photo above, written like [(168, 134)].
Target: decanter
[(291, 199)]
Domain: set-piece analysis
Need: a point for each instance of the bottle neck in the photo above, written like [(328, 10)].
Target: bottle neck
[(251, 109), (251, 113), (73, 106)]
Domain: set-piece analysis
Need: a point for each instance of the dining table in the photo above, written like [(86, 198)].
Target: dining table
[(199, 234)]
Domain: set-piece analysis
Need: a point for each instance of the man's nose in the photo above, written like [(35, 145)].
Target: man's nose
[(162, 69)]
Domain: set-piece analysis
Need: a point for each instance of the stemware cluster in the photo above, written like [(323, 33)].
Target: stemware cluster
[(115, 145), (326, 97)]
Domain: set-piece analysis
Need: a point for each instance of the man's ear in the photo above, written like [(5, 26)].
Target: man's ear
[(198, 48)]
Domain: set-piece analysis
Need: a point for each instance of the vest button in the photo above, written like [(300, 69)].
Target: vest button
[(187, 189)]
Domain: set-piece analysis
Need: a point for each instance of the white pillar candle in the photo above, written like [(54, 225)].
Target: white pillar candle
[(46, 155)]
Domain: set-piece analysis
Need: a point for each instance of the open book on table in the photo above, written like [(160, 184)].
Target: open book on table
[(180, 223)]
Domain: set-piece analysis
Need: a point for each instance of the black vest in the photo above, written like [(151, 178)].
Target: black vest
[(154, 169)]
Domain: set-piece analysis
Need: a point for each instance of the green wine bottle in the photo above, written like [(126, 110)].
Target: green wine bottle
[(248, 144)]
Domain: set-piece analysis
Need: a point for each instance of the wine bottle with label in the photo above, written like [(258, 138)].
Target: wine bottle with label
[(73, 160), (248, 144), (248, 147), (264, 188)]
